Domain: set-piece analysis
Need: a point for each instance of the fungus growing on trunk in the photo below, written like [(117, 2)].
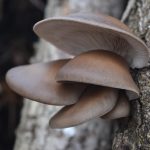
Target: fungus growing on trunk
[(99, 67), (97, 81), (37, 82), (94, 102), (82, 32)]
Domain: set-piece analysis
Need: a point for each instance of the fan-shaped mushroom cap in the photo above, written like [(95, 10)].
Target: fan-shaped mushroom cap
[(95, 101), (37, 82), (82, 32), (100, 68), (122, 108)]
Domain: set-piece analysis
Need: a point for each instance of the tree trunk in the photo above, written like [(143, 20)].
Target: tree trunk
[(134, 134), (33, 132)]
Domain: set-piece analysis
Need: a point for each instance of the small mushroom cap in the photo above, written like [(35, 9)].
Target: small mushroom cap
[(122, 108), (95, 101), (82, 32), (100, 68), (37, 82)]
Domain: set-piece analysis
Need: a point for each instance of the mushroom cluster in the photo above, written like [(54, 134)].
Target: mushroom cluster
[(96, 82)]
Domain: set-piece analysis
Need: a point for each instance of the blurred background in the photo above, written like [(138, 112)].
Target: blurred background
[(18, 46)]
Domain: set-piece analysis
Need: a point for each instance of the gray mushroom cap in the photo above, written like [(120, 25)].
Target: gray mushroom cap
[(122, 108), (94, 102), (102, 68), (82, 32), (37, 82)]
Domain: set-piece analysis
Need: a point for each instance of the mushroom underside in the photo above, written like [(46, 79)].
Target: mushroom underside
[(76, 34)]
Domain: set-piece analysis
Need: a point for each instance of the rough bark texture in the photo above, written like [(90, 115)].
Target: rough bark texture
[(33, 132), (134, 134)]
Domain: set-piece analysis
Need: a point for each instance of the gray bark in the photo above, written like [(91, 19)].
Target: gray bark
[(33, 132), (134, 134)]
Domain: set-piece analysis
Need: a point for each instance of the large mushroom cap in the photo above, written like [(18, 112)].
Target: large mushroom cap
[(100, 68), (95, 101), (37, 82), (82, 32)]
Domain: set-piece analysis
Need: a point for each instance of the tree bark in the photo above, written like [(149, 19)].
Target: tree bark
[(134, 134), (33, 132)]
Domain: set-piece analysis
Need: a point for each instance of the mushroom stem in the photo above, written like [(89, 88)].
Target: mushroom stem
[(94, 102)]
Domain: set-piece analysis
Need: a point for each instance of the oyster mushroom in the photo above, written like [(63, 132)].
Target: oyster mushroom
[(37, 82), (95, 101), (104, 50), (104, 100), (100, 68), (81, 32)]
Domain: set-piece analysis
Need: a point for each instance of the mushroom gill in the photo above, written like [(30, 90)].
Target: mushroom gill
[(81, 32)]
